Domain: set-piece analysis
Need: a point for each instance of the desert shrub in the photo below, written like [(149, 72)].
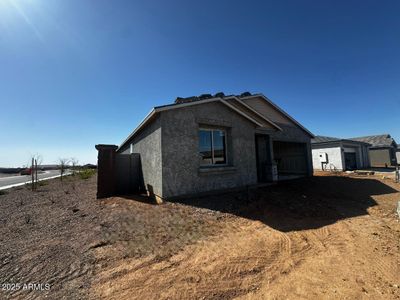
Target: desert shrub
[(39, 183), (86, 173)]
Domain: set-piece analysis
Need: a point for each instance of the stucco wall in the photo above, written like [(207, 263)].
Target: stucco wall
[(148, 144), (180, 150), (266, 109), (335, 159), (170, 157), (290, 133)]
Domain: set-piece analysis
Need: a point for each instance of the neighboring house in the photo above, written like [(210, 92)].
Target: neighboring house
[(382, 152), (331, 154), (209, 143)]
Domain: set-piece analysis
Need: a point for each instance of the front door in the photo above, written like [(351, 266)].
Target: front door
[(263, 157)]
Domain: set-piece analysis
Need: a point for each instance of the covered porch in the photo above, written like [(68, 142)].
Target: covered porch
[(281, 160)]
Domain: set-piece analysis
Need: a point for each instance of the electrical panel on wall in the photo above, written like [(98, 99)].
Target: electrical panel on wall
[(323, 157)]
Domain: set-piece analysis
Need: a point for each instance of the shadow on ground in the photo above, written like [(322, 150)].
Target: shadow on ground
[(139, 198), (301, 204)]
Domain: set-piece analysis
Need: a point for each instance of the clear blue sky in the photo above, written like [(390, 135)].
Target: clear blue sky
[(75, 73)]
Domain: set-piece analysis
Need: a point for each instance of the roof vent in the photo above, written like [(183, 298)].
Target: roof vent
[(245, 94), (219, 95)]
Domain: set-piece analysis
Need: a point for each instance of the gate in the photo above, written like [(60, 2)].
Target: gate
[(118, 174), (128, 172)]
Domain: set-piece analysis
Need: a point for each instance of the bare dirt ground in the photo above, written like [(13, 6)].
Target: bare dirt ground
[(327, 237)]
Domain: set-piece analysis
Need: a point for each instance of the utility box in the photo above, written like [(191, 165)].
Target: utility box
[(323, 157)]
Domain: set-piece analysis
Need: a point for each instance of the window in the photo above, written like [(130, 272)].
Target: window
[(212, 146)]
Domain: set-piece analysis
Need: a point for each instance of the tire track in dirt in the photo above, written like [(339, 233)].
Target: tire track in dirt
[(381, 263), (305, 245), (387, 269), (343, 244), (232, 265), (258, 252)]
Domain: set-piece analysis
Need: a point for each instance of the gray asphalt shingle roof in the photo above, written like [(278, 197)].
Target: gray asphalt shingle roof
[(382, 140), (328, 139), (323, 139)]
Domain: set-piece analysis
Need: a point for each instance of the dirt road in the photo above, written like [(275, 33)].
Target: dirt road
[(328, 237)]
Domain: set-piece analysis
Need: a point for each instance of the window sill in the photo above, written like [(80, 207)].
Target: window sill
[(216, 170)]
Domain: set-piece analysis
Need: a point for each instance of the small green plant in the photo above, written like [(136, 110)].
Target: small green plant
[(86, 173), (43, 183), (2, 192)]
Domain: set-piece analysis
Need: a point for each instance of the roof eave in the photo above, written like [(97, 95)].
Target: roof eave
[(141, 124)]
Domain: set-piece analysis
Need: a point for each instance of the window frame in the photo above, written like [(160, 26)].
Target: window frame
[(213, 165)]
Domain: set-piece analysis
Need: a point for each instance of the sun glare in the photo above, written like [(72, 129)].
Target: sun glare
[(12, 9)]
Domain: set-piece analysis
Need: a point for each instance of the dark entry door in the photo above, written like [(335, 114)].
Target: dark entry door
[(263, 156), (350, 161)]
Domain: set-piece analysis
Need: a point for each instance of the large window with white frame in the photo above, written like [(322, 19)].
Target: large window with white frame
[(212, 146)]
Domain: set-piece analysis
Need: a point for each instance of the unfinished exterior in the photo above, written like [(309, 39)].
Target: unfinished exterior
[(209, 143), (334, 154), (383, 150)]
